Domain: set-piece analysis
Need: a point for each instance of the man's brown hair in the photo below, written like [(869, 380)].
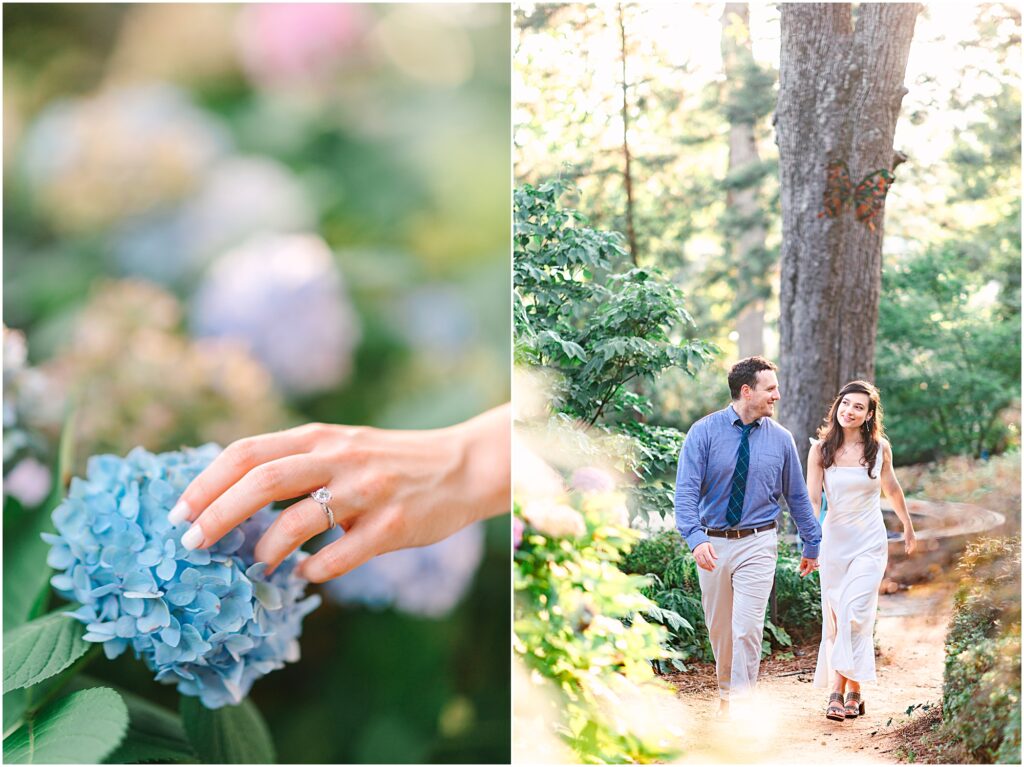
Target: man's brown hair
[(745, 372)]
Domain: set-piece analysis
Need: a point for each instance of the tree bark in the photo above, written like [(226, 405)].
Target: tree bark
[(742, 202), (627, 172), (841, 86)]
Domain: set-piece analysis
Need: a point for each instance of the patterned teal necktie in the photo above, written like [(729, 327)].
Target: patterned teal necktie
[(739, 478)]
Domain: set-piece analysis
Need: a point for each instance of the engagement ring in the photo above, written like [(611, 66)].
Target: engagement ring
[(323, 496)]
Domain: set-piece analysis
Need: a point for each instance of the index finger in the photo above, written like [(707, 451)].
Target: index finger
[(237, 460)]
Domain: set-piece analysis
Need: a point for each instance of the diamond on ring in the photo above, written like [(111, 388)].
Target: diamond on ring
[(323, 496)]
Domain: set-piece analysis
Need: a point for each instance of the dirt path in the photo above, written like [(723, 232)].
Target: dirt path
[(789, 725)]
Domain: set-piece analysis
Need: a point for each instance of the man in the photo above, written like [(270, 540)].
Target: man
[(734, 465)]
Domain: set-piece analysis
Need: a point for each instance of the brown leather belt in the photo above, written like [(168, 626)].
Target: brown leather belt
[(738, 533)]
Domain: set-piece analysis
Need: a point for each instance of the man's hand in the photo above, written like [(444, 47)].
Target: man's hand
[(705, 556), (807, 566)]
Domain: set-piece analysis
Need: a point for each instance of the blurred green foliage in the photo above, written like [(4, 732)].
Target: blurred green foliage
[(579, 622), (982, 681), (948, 365)]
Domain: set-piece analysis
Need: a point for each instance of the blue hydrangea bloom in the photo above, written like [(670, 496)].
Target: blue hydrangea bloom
[(427, 581), (209, 621)]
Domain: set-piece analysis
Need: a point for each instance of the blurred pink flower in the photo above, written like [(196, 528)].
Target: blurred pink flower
[(518, 526), (285, 43), (29, 482), (554, 520), (590, 479)]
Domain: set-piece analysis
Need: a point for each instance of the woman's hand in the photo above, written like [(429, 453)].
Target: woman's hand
[(909, 540), (391, 489)]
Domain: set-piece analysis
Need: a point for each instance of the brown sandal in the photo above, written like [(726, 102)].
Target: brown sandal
[(854, 705), (835, 710)]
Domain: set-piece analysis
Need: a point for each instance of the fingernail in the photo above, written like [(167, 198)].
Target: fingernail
[(179, 513), (192, 537)]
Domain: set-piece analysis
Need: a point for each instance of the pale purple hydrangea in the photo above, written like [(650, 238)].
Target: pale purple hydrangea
[(436, 320), (209, 621), (284, 297), (428, 581), (239, 197)]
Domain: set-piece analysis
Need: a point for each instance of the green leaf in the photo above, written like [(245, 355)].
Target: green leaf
[(41, 648), (26, 574), (780, 634), (228, 735), (154, 735), (15, 704), (24, 701), (80, 728)]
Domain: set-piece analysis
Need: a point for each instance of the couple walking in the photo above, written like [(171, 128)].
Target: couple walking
[(734, 466)]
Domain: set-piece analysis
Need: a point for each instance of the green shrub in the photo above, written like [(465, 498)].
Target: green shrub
[(674, 587), (607, 330), (948, 370), (798, 599), (981, 683), (579, 622)]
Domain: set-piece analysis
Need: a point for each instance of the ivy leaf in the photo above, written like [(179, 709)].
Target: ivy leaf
[(83, 727), (41, 648), (228, 735)]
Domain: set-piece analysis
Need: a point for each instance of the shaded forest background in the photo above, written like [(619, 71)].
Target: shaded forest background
[(659, 120)]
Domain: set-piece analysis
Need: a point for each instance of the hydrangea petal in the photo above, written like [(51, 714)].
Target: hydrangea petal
[(112, 648), (157, 616), (268, 595), (132, 606), (166, 568), (171, 635)]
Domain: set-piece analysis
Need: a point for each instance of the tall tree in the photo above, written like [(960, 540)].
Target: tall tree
[(627, 170), (840, 91), (745, 234)]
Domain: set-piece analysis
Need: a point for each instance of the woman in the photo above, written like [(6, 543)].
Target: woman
[(852, 460)]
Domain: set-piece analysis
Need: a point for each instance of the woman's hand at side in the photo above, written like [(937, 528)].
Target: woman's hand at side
[(391, 489)]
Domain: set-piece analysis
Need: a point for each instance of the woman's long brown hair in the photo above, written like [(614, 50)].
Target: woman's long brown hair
[(872, 432)]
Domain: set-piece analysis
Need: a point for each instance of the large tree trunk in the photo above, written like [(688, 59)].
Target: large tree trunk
[(841, 86), (742, 202)]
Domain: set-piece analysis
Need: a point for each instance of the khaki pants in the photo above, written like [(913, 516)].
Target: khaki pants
[(735, 596)]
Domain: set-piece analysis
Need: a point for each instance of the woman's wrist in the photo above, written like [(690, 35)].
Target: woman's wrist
[(483, 477)]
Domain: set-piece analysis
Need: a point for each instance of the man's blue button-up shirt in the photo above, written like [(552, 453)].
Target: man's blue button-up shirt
[(704, 479)]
